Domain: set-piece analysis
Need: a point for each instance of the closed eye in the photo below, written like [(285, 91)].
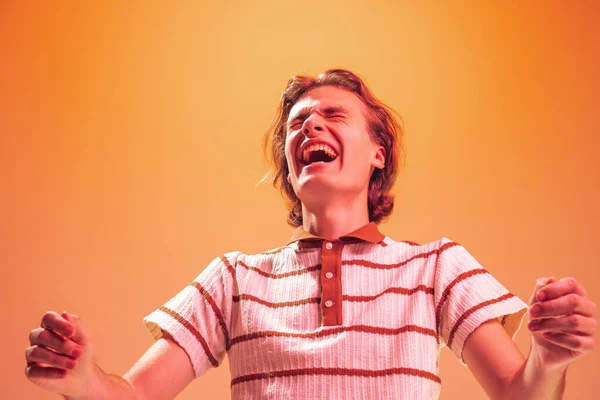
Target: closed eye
[(294, 124)]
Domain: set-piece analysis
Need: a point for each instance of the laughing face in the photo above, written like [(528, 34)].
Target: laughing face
[(328, 147)]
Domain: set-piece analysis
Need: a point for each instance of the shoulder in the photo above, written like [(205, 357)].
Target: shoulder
[(240, 255), (235, 259), (434, 246)]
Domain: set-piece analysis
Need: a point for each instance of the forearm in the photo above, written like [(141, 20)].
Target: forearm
[(107, 386), (535, 382)]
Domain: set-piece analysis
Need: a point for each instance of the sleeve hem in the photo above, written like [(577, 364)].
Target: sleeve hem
[(161, 328), (512, 314)]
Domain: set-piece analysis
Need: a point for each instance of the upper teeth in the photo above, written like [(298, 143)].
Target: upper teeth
[(318, 147)]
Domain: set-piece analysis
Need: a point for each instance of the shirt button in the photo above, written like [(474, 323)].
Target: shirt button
[(328, 303), (329, 275), (328, 246)]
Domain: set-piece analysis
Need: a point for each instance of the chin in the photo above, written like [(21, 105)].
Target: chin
[(317, 184)]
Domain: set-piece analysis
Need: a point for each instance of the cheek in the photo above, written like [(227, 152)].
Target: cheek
[(290, 145)]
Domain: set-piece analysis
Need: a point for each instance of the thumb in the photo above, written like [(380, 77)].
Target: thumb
[(80, 333), (539, 284)]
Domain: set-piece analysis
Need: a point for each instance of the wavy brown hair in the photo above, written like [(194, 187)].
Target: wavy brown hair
[(384, 129)]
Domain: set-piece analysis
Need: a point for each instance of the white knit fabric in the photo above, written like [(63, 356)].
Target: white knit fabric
[(402, 303)]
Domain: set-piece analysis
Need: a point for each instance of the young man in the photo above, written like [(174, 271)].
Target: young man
[(341, 311)]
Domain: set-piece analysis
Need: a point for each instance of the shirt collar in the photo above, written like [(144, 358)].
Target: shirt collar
[(368, 233)]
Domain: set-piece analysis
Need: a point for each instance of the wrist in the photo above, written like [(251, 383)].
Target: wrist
[(540, 364), (95, 385)]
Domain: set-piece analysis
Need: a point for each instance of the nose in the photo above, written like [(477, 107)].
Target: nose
[(312, 127)]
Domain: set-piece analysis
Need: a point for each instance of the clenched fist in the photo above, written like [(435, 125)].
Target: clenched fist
[(562, 320), (60, 356)]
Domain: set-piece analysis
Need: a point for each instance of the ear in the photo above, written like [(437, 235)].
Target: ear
[(288, 179), (379, 158)]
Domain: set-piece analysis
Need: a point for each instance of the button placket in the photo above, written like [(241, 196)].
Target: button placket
[(331, 306)]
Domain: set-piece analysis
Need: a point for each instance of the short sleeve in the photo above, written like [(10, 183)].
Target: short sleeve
[(466, 295), (198, 318)]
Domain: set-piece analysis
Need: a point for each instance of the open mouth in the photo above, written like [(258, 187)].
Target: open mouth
[(318, 153)]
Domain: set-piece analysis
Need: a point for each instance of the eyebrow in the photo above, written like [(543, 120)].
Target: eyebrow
[(303, 113)]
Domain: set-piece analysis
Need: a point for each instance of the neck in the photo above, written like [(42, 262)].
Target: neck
[(335, 218)]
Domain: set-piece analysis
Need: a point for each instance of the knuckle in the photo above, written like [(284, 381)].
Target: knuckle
[(46, 337), (33, 335), (571, 282), (549, 308), (574, 321), (65, 362), (75, 351), (573, 300), (541, 311), (53, 359), (43, 335), (48, 315), (35, 352)]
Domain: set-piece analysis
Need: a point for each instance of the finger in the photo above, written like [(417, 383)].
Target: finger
[(539, 284), (571, 342), (560, 288), (57, 323), (40, 354), (49, 339), (571, 303), (35, 371), (574, 323), (80, 334)]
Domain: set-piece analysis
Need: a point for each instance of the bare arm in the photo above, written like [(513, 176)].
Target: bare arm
[(562, 323), (162, 372), (502, 371)]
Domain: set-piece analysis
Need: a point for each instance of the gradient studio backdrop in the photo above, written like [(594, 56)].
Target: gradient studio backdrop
[(130, 142)]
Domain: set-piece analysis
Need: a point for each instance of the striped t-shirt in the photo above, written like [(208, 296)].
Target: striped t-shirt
[(361, 317)]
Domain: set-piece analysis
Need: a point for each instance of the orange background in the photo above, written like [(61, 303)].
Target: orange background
[(130, 141)]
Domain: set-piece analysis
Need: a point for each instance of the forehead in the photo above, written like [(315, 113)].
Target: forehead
[(328, 96)]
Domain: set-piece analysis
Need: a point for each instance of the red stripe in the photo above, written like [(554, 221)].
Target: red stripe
[(411, 243), (328, 332), (447, 246), (283, 275), (446, 292), (360, 262), (369, 264), (216, 310), (315, 300), (397, 290), (472, 310), (337, 372), (194, 332), (228, 265)]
